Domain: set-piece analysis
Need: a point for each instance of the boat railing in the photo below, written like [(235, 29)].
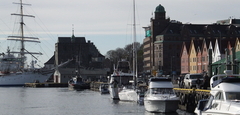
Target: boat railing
[(216, 80)]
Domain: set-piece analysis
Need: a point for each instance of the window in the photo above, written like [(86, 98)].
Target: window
[(232, 95), (209, 103), (203, 58), (219, 96)]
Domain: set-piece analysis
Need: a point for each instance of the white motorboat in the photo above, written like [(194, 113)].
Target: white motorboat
[(128, 93), (225, 96), (160, 96), (14, 70)]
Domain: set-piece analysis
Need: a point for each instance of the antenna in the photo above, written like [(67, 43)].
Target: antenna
[(72, 29)]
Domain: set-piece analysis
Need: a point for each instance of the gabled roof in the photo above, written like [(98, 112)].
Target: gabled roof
[(224, 59), (236, 43), (187, 45), (207, 42), (224, 44)]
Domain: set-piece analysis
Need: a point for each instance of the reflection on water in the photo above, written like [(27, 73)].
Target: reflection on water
[(61, 101)]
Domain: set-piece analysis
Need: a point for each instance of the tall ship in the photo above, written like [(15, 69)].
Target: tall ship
[(14, 70)]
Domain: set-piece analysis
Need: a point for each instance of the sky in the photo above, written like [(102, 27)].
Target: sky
[(106, 23)]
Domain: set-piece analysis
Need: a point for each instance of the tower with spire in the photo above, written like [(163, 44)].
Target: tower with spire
[(73, 37)]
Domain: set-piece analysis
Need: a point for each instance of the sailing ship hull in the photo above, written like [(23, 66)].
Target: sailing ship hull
[(19, 79)]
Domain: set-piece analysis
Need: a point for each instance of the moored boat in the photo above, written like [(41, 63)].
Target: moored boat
[(160, 96), (13, 67), (76, 83), (225, 96), (120, 78), (103, 88)]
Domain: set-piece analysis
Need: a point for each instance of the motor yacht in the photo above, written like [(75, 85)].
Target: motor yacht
[(160, 96), (225, 96)]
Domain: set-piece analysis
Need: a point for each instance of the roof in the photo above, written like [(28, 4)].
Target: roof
[(68, 39), (160, 9), (51, 60), (223, 60)]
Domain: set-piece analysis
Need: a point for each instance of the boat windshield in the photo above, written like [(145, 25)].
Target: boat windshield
[(195, 76), (123, 80), (232, 95), (162, 91)]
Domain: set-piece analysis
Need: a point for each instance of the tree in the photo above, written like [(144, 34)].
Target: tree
[(127, 53)]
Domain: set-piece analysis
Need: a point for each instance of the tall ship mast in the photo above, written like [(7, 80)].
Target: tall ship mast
[(13, 69), (21, 38)]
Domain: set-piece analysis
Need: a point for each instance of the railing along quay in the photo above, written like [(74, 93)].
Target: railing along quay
[(189, 98)]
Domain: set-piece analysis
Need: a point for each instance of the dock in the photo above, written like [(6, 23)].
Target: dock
[(95, 85), (47, 84), (189, 98)]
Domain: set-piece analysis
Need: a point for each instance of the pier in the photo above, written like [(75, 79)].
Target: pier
[(47, 84), (189, 98)]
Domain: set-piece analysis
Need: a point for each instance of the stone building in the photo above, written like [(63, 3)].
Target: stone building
[(78, 49), (74, 54)]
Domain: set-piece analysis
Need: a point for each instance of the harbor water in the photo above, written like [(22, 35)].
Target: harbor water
[(62, 101)]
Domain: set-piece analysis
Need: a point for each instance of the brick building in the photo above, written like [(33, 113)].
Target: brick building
[(164, 40)]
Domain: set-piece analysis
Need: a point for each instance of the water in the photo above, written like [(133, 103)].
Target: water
[(62, 101)]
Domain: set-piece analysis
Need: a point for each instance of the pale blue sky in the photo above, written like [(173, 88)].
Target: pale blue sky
[(106, 23)]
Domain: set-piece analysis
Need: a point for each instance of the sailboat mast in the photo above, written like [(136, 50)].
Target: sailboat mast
[(134, 47)]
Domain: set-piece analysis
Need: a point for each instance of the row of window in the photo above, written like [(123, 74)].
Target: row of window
[(203, 59), (194, 68), (197, 59)]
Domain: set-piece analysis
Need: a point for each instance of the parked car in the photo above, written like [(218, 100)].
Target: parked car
[(189, 80)]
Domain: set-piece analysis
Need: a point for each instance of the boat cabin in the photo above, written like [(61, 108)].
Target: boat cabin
[(225, 95)]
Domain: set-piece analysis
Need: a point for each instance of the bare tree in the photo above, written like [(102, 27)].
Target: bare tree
[(126, 53)]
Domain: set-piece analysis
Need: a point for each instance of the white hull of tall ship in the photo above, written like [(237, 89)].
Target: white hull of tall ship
[(160, 96), (19, 79), (127, 94)]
